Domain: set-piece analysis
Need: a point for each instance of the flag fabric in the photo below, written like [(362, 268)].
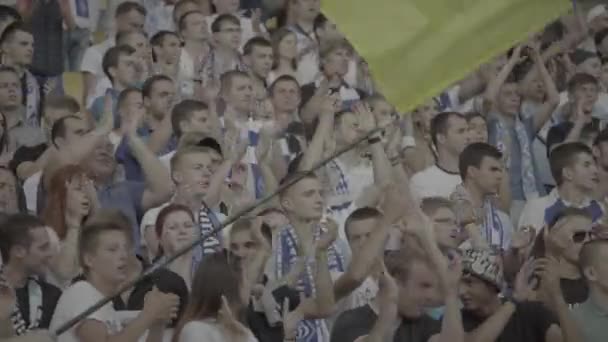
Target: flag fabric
[(417, 48)]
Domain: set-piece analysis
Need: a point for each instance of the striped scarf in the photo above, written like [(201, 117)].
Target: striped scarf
[(20, 327), (207, 222), (312, 330), (492, 230), (32, 102)]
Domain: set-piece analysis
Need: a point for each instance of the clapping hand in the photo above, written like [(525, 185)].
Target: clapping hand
[(160, 307)]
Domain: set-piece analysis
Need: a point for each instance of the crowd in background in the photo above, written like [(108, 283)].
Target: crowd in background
[(479, 216)]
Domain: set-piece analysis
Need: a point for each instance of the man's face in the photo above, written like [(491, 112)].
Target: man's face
[(226, 6), (170, 50), (74, 130), (307, 9), (20, 48), (591, 66), (532, 85), (8, 193), (359, 232), (288, 47), (583, 173), (130, 22), (10, 90), (178, 232), (475, 294), (588, 94), (132, 107), (447, 232), (240, 94), (109, 259), (261, 61), (305, 199), (509, 100), (161, 99), (286, 97), (457, 135), (417, 292), (347, 130), (242, 244), (101, 162), (489, 175), (194, 171), (383, 112), (195, 27), (478, 130), (568, 236), (336, 63), (229, 35), (39, 252), (199, 122), (125, 71)]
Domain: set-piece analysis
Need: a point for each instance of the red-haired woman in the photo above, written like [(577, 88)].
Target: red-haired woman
[(70, 201)]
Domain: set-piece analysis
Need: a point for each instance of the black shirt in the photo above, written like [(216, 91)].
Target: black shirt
[(575, 291), (50, 297), (358, 322), (529, 323)]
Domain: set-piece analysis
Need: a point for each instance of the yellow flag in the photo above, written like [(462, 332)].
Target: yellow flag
[(417, 48)]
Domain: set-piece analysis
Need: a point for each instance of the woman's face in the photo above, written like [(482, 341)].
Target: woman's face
[(287, 46), (178, 232), (77, 198)]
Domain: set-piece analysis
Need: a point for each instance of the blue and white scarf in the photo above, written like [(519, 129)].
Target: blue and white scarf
[(207, 222), (527, 164), (340, 197), (312, 330), (492, 230)]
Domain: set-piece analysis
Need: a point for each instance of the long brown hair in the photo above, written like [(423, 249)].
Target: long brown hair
[(55, 208), (214, 278)]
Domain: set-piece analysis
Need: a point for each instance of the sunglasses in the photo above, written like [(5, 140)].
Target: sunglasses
[(580, 237)]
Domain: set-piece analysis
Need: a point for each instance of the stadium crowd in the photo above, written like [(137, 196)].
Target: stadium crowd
[(479, 216)]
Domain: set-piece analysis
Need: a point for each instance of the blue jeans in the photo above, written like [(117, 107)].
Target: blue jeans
[(75, 43)]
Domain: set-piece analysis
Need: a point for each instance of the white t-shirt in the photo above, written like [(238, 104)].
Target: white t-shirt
[(75, 300), (193, 331), (85, 13), (434, 182), (30, 188)]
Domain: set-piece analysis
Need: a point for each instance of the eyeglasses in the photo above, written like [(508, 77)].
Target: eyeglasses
[(580, 237)]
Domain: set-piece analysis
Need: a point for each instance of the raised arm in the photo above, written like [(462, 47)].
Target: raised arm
[(547, 109), (491, 95), (325, 127)]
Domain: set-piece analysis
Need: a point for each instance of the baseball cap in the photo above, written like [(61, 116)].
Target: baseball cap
[(484, 264)]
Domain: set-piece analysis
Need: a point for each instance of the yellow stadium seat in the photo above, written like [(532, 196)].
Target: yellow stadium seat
[(72, 84)]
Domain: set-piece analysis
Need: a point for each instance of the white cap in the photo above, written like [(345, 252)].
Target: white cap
[(596, 12)]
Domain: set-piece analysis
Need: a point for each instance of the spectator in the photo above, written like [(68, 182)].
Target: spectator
[(166, 49), (285, 58), (119, 67), (194, 52), (420, 153), (251, 27), (26, 251), (257, 56), (213, 306), (562, 241), (129, 16), (130, 110), (224, 55), (504, 103), (447, 231), (478, 128), (587, 315), (481, 171), (303, 25), (103, 253), (575, 173), (449, 133), (71, 200), (17, 44)]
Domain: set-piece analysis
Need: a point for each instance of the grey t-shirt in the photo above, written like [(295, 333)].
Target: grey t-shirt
[(358, 322)]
